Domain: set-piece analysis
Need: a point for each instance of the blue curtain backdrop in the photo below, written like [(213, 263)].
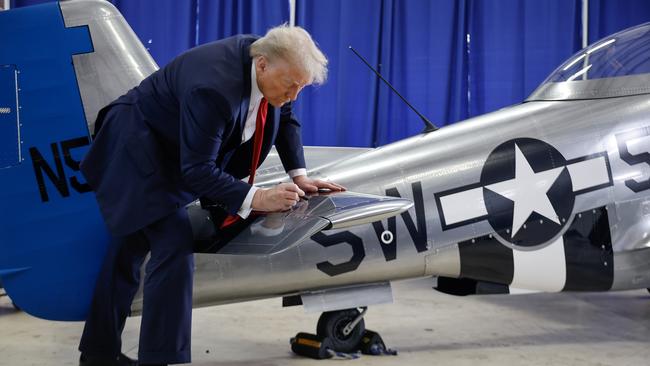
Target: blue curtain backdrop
[(165, 27), (423, 53), (341, 112), (607, 16), (514, 45), (452, 59), (223, 18), (169, 27)]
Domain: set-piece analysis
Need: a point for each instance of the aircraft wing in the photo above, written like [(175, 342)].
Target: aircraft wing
[(274, 233)]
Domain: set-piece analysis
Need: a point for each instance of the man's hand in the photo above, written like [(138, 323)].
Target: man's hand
[(279, 198), (313, 185)]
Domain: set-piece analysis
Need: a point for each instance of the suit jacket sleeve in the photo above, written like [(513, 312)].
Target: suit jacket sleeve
[(289, 140), (206, 120)]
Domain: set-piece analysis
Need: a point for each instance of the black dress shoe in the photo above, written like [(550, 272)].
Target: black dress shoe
[(121, 360)]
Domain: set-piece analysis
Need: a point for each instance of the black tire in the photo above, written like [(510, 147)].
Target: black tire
[(331, 324)]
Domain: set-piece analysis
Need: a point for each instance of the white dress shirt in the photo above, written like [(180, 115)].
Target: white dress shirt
[(247, 134)]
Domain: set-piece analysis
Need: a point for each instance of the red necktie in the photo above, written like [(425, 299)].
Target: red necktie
[(257, 151)]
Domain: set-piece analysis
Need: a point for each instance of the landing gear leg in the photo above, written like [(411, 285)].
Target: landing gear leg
[(344, 328), (340, 333)]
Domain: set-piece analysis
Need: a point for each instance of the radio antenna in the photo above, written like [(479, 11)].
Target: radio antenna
[(428, 126)]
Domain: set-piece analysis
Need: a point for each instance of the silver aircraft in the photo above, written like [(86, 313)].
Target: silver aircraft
[(552, 194)]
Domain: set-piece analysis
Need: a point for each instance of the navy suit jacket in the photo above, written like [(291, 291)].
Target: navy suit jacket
[(177, 137)]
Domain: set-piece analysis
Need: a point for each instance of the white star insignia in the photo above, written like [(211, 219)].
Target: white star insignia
[(528, 191)]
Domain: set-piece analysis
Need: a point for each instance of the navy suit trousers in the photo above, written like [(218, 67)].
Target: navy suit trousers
[(165, 331)]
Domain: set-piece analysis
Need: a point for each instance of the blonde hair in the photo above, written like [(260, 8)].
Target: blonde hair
[(294, 45)]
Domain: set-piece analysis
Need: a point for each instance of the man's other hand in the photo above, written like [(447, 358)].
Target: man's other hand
[(313, 185), (279, 198)]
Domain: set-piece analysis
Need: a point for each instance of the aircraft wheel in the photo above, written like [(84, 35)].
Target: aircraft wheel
[(331, 325)]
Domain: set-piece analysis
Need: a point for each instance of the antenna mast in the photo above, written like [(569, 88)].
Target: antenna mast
[(428, 126)]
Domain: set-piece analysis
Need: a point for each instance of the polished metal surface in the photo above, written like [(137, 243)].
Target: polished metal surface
[(316, 157), (441, 173), (443, 262), (632, 269), (596, 88), (630, 224), (434, 161), (274, 233), (347, 297), (359, 211), (119, 62)]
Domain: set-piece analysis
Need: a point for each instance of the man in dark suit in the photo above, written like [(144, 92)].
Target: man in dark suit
[(172, 140)]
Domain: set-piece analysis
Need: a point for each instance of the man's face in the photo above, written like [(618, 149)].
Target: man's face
[(278, 81)]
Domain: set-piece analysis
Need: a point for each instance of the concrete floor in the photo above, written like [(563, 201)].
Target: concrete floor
[(426, 327)]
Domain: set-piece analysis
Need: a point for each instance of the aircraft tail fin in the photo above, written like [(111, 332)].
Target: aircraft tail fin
[(52, 237)]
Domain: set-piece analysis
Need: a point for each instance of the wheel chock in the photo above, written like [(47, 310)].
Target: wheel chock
[(312, 346), (372, 344)]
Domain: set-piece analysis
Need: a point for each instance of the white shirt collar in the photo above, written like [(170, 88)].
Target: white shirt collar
[(256, 94), (253, 106)]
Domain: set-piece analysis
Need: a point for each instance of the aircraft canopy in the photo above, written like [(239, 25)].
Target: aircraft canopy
[(615, 66)]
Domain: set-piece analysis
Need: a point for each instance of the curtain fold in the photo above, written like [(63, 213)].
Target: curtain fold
[(223, 18), (410, 43), (607, 16), (423, 55), (514, 45), (341, 112), (165, 27)]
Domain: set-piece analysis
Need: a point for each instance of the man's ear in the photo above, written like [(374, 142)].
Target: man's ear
[(261, 63)]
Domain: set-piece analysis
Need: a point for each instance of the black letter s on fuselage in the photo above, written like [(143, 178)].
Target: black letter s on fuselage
[(418, 235)]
